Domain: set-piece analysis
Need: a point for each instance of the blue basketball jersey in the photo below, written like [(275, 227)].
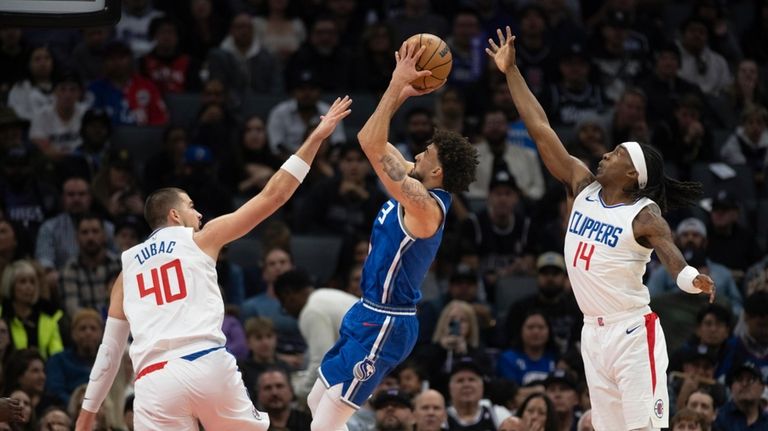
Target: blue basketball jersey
[(397, 263)]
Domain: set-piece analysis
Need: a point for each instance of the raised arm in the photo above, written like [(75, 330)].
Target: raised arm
[(651, 230), (227, 228), (423, 215), (561, 165)]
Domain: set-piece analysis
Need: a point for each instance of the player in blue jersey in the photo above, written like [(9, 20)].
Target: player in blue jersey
[(380, 331)]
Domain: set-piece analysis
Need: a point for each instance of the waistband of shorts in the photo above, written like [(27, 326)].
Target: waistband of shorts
[(157, 366), (394, 310), (621, 316)]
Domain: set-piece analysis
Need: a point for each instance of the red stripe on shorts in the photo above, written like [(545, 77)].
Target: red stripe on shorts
[(650, 332), (150, 368)]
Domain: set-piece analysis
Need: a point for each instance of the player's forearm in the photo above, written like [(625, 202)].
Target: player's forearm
[(528, 107), (309, 148), (107, 363), (375, 132)]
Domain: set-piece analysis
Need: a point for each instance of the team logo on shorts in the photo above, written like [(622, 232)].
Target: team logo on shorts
[(658, 408), (364, 369)]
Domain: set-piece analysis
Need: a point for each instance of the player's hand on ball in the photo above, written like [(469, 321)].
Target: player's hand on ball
[(405, 69), (704, 283), (503, 54), (337, 112)]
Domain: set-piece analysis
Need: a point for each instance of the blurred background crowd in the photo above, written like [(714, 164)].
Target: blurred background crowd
[(212, 96)]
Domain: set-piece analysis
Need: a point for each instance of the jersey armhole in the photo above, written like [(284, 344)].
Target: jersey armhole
[(632, 224), (197, 246)]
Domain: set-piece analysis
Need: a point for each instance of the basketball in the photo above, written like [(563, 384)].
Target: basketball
[(436, 57)]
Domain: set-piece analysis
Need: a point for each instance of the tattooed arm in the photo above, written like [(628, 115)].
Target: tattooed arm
[(652, 231)]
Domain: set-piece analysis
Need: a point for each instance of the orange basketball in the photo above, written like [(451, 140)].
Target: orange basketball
[(436, 57)]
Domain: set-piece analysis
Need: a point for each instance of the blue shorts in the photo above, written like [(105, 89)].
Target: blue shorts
[(373, 339)]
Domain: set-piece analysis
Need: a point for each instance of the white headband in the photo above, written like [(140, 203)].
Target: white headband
[(638, 160)]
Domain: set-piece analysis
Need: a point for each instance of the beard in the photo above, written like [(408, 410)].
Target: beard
[(550, 291), (391, 423)]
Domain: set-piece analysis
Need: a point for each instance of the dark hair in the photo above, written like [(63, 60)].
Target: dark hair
[(292, 281), (418, 110), (160, 21), (722, 314), (274, 369), (17, 365), (756, 304), (550, 424), (458, 157), (688, 415), (517, 341), (158, 204), (667, 192), (89, 216)]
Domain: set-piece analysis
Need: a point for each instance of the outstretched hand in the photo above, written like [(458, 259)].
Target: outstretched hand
[(405, 71), (704, 283), (502, 54), (337, 112)]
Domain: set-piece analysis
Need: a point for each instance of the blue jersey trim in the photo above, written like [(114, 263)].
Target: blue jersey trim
[(394, 268)]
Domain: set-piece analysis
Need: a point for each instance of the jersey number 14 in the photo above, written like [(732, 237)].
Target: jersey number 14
[(161, 283), (584, 252)]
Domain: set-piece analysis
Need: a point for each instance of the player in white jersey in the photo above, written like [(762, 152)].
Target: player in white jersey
[(615, 223), (168, 298)]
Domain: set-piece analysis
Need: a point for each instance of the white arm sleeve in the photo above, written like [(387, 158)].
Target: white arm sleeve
[(107, 363)]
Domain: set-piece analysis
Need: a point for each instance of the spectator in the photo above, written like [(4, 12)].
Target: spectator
[(277, 261), (684, 139), (289, 120), (27, 200), (115, 187), (344, 205), (691, 239), (536, 412), (729, 241), (134, 25), (127, 97), (86, 278), (554, 299), (167, 164), (324, 56), (743, 411), (429, 412), (374, 62), (574, 98), (469, 71), (745, 91), (275, 396), (12, 55), (262, 345), (698, 372), (663, 87), (104, 417), (563, 389), (702, 402), (393, 410), (590, 142), (170, 69), (32, 321), (748, 145), (55, 129), (535, 53), (55, 418), (25, 372), (701, 65), (411, 378), (57, 241), (419, 127), (28, 417), (498, 234), (249, 167), (751, 344), (415, 17), (532, 353), (69, 369), (319, 313), (714, 325), (198, 175), (280, 31), (755, 40), (450, 110), (688, 420), (88, 55), (518, 134), (468, 409), (35, 92), (129, 230), (722, 35), (496, 153), (456, 338), (6, 344), (242, 64), (627, 121), (10, 249), (12, 129), (205, 26), (85, 161), (620, 54)]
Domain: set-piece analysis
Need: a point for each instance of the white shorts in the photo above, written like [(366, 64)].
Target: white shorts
[(208, 388), (625, 362)]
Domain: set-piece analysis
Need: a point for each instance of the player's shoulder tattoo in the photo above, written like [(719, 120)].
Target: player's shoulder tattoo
[(650, 221), (415, 192)]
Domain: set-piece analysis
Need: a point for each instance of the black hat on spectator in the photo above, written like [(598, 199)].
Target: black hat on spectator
[(574, 51), (467, 364), (8, 117), (669, 47), (390, 397), (463, 273), (289, 344), (120, 158), (68, 77), (724, 201), (303, 78), (502, 178), (702, 353), (198, 155), (96, 114), (748, 368), (563, 377)]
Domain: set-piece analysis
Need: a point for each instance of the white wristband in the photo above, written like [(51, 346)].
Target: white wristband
[(296, 167), (685, 280)]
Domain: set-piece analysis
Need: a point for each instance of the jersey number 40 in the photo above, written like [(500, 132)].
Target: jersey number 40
[(161, 278)]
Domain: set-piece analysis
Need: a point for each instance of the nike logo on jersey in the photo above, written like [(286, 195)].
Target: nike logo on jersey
[(590, 199), (369, 324), (629, 331)]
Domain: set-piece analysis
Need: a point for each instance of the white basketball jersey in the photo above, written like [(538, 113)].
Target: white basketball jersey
[(605, 263), (171, 297)]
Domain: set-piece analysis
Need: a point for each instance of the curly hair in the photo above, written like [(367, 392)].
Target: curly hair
[(458, 157)]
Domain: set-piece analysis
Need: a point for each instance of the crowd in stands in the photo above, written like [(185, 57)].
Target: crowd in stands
[(212, 96)]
